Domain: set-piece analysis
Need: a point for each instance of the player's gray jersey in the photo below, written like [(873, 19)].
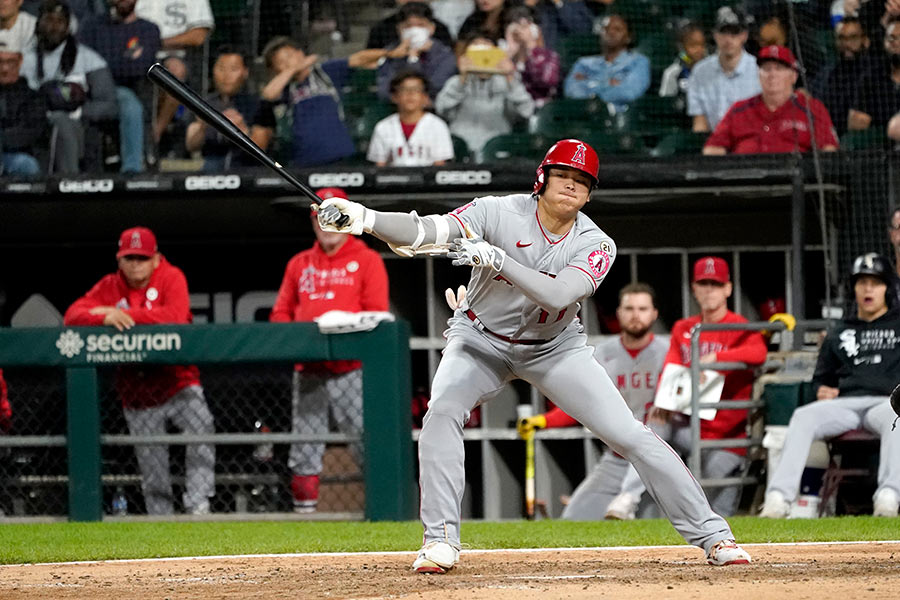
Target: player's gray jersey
[(636, 377), (511, 223)]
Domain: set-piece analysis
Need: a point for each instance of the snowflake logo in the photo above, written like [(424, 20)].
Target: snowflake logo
[(69, 343)]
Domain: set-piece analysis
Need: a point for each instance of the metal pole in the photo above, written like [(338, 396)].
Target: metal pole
[(798, 237), (694, 458)]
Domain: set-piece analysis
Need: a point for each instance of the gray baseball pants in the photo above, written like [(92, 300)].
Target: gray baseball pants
[(187, 410), (314, 395), (829, 418), (476, 366)]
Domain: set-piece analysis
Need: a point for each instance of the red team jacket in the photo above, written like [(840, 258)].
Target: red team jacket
[(750, 128), (5, 409), (353, 280), (729, 346), (164, 300)]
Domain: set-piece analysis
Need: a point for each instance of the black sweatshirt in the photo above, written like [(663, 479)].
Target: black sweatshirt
[(861, 358)]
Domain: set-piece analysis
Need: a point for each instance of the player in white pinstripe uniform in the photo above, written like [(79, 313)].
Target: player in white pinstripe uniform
[(411, 137), (535, 258)]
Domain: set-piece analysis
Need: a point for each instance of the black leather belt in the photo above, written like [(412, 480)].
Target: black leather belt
[(474, 318)]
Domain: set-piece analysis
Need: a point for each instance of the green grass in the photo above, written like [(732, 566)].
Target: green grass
[(93, 541)]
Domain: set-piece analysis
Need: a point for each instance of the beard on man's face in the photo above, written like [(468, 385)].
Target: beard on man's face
[(636, 330)]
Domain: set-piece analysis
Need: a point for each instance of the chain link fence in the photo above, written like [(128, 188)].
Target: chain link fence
[(221, 470)]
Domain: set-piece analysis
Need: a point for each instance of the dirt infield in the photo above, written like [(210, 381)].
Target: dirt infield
[(819, 572)]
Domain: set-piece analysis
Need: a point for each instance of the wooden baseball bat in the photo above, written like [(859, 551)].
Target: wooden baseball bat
[(163, 78), (529, 477)]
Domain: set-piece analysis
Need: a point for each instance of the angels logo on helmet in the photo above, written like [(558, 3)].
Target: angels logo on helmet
[(568, 153)]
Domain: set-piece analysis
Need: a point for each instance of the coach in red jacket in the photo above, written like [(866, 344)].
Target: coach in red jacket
[(338, 273), (777, 120), (148, 290)]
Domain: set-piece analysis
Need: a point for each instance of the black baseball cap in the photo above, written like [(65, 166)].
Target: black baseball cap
[(730, 20)]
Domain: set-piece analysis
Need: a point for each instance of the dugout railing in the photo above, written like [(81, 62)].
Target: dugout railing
[(384, 352), (791, 339)]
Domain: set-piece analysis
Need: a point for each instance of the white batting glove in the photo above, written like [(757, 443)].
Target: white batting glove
[(476, 252), (339, 215)]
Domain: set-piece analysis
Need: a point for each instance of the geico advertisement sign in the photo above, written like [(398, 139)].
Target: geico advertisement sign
[(212, 182), (87, 186), (336, 180), (462, 177)]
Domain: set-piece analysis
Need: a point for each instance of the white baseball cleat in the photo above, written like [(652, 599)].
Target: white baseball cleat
[(727, 552), (436, 557), (622, 508), (775, 506), (886, 502)]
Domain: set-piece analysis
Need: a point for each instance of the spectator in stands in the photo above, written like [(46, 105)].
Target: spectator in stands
[(558, 20), (146, 290), (729, 75), (633, 360), (772, 33), (538, 66), (711, 287), (877, 97), (183, 27), (384, 33), (300, 106), (618, 76), (411, 137), (421, 51), (874, 15), (23, 116), (452, 13), (486, 98), (486, 20), (16, 26), (75, 81), (230, 73), (693, 49), (855, 373), (836, 84), (777, 119), (355, 279), (129, 45), (894, 234)]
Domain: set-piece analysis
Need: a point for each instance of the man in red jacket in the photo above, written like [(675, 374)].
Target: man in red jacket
[(338, 273), (711, 287), (5, 409), (148, 290)]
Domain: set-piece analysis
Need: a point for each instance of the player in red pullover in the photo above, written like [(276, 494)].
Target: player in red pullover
[(338, 273), (5, 409), (712, 288), (147, 290)]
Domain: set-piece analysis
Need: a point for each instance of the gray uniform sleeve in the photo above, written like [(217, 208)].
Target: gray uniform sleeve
[(551, 294)]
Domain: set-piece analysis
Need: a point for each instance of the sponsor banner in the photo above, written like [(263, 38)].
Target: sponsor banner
[(25, 187), (473, 177), (116, 347), (86, 186), (341, 180), (151, 185), (212, 182)]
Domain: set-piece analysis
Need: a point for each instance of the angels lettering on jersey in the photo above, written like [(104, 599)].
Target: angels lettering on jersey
[(318, 284), (636, 380), (705, 348)]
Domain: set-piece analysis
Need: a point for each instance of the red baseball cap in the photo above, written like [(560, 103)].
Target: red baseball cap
[(137, 240), (711, 268), (331, 192), (780, 54)]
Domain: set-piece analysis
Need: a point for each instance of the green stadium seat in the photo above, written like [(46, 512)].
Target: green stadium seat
[(361, 128), (615, 143), (461, 152), (654, 113), (680, 142), (514, 145), (363, 80), (558, 117), (867, 139)]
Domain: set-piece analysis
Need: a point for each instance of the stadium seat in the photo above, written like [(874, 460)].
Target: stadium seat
[(558, 117), (615, 143), (867, 139), (363, 80), (234, 21), (655, 113), (361, 129), (680, 142), (461, 152), (514, 145)]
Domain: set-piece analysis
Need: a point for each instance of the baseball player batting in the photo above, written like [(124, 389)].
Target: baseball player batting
[(534, 258)]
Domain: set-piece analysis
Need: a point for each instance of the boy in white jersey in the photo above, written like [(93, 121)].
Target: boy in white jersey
[(411, 137), (535, 258), (633, 360)]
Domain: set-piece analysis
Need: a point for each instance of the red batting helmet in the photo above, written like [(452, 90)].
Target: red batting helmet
[(568, 153), (331, 192)]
